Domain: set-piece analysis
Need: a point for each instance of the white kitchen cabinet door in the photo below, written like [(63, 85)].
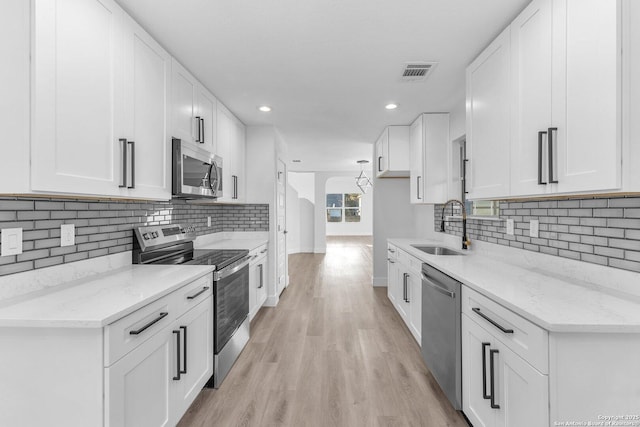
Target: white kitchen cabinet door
[(403, 304), (531, 51), (239, 157), (521, 391), (435, 159), (144, 119), (225, 130), (77, 70), (488, 120), (183, 103), (414, 295), (382, 153), (206, 105), (197, 354), (257, 285), (139, 388), (476, 343), (394, 285), (416, 179), (586, 105)]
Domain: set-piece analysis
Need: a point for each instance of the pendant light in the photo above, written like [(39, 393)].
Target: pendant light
[(362, 181)]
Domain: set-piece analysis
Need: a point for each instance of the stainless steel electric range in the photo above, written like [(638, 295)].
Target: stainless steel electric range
[(173, 244)]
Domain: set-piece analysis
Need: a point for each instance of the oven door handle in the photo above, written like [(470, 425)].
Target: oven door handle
[(226, 272)]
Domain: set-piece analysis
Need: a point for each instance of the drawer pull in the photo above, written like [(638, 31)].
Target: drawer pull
[(484, 371), (178, 364), (263, 251), (493, 322), (391, 261), (148, 325), (184, 347), (391, 250), (197, 294), (492, 386)]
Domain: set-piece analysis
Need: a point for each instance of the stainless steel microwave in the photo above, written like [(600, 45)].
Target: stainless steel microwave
[(196, 172)]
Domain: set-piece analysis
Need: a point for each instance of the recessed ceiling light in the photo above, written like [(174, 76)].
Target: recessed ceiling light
[(391, 106), (264, 108)]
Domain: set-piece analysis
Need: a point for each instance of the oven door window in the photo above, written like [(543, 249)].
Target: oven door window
[(232, 305), (196, 173)]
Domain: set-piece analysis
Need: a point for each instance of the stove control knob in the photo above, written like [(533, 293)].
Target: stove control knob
[(145, 236)]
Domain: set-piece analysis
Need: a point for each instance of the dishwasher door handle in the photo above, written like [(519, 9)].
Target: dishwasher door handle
[(428, 282)]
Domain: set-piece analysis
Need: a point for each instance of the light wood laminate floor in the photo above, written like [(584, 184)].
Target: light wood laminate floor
[(334, 352)]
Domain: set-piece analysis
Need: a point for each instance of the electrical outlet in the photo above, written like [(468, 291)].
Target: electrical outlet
[(534, 228), (11, 241), (510, 227), (67, 235), (208, 221)]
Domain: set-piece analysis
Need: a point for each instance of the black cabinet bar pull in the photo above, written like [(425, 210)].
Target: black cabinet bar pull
[(379, 167), (184, 348), (391, 261), (200, 292), (202, 125), (261, 267), (263, 251), (550, 137), (148, 325), (484, 371), (133, 164), (490, 320), (124, 162), (199, 123), (540, 145), (178, 364), (405, 276), (418, 187), (492, 385)]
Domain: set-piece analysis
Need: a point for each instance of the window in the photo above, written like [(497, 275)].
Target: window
[(343, 207)]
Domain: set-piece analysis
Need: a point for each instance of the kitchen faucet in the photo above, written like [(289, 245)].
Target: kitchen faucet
[(465, 242)]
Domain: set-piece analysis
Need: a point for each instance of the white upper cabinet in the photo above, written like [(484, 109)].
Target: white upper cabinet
[(429, 158), (531, 98), (78, 71), (586, 95), (99, 107), (193, 110), (537, 121), (392, 152), (488, 126), (144, 122), (231, 147)]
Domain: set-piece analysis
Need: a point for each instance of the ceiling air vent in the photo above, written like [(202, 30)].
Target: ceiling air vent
[(417, 71)]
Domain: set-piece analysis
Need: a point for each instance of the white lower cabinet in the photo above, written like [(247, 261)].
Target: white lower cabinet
[(404, 288), (499, 387), (257, 280), (139, 387), (155, 383)]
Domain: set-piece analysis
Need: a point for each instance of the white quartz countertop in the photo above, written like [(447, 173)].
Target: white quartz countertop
[(100, 299), (249, 244), (557, 304)]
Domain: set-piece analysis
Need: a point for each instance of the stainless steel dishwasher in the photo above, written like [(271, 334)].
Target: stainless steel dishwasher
[(441, 340)]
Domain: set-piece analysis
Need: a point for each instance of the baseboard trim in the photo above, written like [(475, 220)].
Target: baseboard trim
[(380, 281), (272, 301)]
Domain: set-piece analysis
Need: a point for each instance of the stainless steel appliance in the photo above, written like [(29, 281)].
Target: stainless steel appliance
[(196, 172), (173, 244), (441, 336)]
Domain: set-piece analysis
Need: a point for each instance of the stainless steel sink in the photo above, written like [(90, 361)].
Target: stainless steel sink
[(437, 250)]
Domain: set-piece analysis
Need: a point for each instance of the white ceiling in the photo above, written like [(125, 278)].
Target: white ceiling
[(327, 67)]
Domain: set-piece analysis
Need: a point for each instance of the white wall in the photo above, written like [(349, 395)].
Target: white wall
[(300, 212), (341, 185)]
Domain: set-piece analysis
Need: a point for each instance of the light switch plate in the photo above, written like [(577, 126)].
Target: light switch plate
[(67, 235), (11, 241), (510, 227), (534, 228)]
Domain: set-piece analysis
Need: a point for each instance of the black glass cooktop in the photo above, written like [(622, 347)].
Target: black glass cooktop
[(219, 258)]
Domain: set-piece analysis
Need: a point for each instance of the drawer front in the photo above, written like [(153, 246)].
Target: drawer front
[(195, 292), (527, 340), (410, 261), (392, 252), (258, 254), (126, 334)]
